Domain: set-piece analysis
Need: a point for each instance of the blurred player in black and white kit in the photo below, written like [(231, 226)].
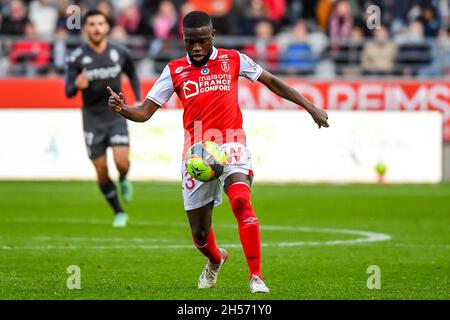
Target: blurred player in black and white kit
[(91, 68)]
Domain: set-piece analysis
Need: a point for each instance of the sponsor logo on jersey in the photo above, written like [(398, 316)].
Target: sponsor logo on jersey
[(104, 73), (86, 60), (179, 69), (75, 54), (225, 66), (190, 89), (114, 55), (205, 71)]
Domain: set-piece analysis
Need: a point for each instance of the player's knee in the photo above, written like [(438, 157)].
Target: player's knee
[(102, 180), (102, 176), (200, 234), (123, 166), (243, 210), (240, 203)]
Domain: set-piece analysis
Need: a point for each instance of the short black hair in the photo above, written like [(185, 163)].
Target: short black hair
[(94, 12), (196, 19)]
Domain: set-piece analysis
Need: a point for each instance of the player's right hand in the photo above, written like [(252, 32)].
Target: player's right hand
[(115, 101), (81, 81)]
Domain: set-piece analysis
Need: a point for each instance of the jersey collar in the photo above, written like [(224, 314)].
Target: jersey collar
[(212, 57)]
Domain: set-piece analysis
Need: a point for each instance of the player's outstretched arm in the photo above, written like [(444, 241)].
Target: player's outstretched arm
[(139, 113), (279, 87)]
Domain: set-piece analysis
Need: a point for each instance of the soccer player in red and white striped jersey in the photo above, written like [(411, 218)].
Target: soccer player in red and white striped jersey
[(206, 81)]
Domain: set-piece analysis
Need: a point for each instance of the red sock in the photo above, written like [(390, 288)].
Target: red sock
[(239, 195), (208, 247)]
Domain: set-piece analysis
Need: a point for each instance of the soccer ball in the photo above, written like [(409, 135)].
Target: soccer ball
[(205, 161)]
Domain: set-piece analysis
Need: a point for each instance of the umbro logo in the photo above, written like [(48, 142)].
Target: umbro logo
[(250, 220), (179, 69)]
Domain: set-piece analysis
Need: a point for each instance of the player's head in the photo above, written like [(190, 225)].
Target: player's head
[(96, 26), (198, 35)]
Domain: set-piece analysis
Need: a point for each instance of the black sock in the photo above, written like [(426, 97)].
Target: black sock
[(122, 176), (110, 193)]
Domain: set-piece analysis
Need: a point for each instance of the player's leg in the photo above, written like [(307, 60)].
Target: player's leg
[(200, 221), (108, 189), (121, 159), (119, 140), (199, 199), (96, 139), (237, 184)]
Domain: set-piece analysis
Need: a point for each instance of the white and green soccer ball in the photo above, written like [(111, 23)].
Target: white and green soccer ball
[(205, 161)]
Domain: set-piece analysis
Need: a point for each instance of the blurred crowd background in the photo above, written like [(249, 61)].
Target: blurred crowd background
[(317, 38)]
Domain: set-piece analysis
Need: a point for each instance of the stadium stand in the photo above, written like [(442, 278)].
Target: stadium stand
[(294, 37)]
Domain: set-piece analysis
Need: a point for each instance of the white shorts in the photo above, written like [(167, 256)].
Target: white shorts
[(196, 194)]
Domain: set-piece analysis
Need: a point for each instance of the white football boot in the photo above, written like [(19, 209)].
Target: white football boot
[(257, 285), (208, 278)]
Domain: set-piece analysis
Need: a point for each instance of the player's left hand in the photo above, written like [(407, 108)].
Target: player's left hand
[(115, 101), (320, 117)]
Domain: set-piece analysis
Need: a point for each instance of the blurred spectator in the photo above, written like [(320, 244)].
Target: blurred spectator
[(323, 13), (378, 56), (165, 27), (341, 22), (184, 10), (301, 44), (295, 9), (309, 9), (298, 57), (165, 21), (253, 14), (225, 22), (444, 11), (119, 34), (356, 36), (107, 8), (264, 50), (15, 20), (414, 34), (129, 20), (30, 56), (414, 53), (275, 11), (60, 49), (430, 21), (401, 9), (440, 51), (256, 11), (351, 57), (44, 16), (121, 5)]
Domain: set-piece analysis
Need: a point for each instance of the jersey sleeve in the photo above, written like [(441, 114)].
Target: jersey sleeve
[(72, 69), (130, 70), (163, 89), (249, 68)]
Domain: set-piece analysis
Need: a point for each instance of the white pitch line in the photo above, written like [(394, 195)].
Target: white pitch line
[(88, 239), (364, 236)]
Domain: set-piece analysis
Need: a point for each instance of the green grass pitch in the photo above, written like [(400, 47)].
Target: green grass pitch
[(312, 249)]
